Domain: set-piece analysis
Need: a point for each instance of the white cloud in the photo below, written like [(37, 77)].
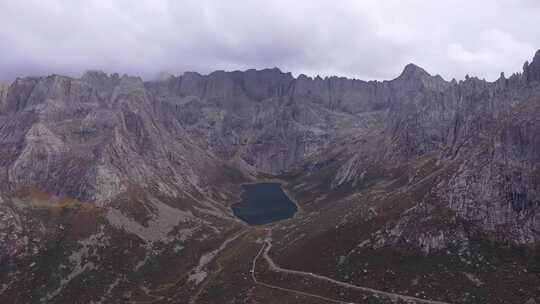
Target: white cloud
[(497, 52), (365, 39)]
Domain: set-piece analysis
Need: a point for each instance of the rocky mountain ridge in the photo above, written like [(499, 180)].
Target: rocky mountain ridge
[(151, 168)]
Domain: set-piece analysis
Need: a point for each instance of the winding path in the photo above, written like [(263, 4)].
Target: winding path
[(282, 288), (265, 249)]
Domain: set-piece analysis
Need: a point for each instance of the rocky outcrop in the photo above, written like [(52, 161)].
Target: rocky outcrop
[(531, 72), (3, 94)]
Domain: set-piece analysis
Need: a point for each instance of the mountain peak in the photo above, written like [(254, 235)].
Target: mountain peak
[(412, 71), (414, 76)]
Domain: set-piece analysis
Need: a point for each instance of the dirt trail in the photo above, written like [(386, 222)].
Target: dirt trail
[(285, 289), (265, 249)]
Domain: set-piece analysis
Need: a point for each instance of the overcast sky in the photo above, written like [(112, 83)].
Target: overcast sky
[(366, 39)]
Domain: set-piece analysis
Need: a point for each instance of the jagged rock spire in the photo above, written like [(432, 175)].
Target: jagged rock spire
[(531, 71)]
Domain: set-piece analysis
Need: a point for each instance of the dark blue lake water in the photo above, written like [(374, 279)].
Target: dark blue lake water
[(264, 203)]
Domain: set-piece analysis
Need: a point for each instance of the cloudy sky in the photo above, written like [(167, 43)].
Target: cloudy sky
[(366, 39)]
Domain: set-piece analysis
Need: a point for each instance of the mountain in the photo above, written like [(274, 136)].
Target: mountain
[(113, 189)]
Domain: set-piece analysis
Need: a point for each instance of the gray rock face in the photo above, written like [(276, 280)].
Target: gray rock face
[(97, 155), (255, 117), (490, 129), (273, 122)]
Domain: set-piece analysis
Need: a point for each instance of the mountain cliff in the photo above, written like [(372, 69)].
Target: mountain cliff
[(112, 179)]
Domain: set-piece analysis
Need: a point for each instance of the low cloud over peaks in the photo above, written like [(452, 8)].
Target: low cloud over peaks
[(361, 39)]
